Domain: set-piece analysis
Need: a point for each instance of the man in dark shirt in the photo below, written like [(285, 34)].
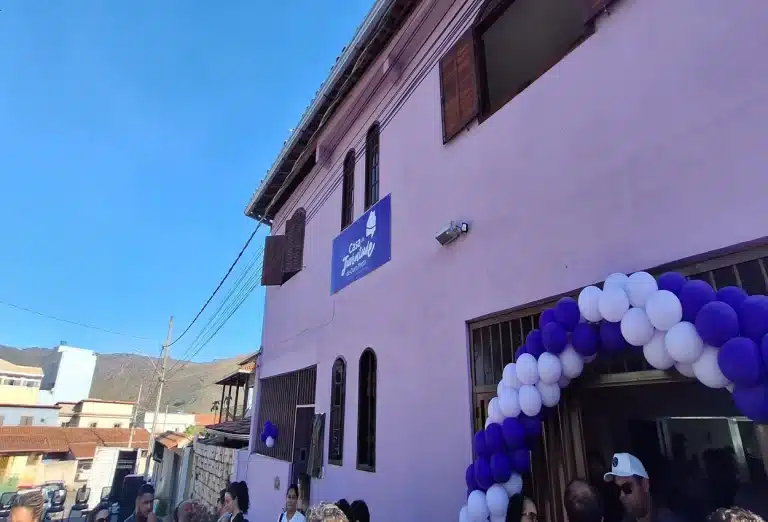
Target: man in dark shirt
[(629, 474), (582, 502), (145, 499)]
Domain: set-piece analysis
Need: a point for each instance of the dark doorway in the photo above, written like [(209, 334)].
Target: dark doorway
[(302, 439)]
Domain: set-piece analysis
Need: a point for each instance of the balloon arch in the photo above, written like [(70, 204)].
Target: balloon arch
[(718, 337)]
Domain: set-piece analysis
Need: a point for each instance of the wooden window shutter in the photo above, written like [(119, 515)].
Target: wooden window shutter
[(274, 252), (593, 8), (293, 261), (458, 86), (315, 460)]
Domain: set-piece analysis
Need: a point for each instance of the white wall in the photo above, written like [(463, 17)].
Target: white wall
[(173, 422), (74, 374), (41, 416)]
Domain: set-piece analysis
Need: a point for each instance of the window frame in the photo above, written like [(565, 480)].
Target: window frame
[(348, 189), (27, 420), (372, 165), (337, 413), (367, 390)]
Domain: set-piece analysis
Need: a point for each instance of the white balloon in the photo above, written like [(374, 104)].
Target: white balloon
[(636, 328), (494, 411), (614, 303), (550, 393), (708, 371), (664, 310), (270, 442), (572, 362), (563, 382), (640, 286), (514, 485), (683, 343), (463, 515), (477, 508), (502, 518), (509, 376), (549, 368), (497, 499), (617, 279), (589, 299), (509, 403), (527, 369), (685, 368), (655, 352), (530, 400)]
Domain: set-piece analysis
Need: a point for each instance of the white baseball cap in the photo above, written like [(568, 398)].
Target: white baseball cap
[(625, 465)]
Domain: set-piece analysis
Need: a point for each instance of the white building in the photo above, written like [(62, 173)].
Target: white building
[(175, 422), (68, 375), (28, 415)]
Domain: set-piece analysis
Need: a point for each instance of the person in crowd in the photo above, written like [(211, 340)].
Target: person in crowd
[(145, 499), (100, 513), (28, 507), (292, 513), (222, 513), (630, 476), (326, 512), (733, 514), (359, 511), (236, 499), (582, 502), (521, 509), (303, 501), (188, 511), (343, 505)]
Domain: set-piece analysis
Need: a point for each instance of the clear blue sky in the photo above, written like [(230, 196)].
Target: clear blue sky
[(132, 135)]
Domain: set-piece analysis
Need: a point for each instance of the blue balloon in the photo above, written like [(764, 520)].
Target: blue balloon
[(555, 337), (672, 281), (494, 439), (694, 295), (483, 475), (469, 477), (733, 295), (547, 316), (611, 339), (534, 343), (567, 313), (716, 323), (514, 433), (585, 339), (752, 402), (272, 431), (740, 361), (501, 467), (531, 425), (480, 446), (753, 317), (521, 460)]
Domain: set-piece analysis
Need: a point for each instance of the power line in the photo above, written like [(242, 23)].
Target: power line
[(75, 323)]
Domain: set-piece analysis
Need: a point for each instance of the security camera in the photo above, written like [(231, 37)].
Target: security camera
[(451, 232)]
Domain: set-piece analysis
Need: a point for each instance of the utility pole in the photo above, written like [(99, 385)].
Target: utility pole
[(133, 419), (165, 419), (163, 364)]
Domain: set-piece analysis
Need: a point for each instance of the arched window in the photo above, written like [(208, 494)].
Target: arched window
[(338, 399), (348, 190), (366, 412), (372, 166)]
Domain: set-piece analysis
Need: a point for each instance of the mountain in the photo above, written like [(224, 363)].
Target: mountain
[(189, 386)]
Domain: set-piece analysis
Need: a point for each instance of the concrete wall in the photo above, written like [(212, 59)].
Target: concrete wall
[(213, 466), (645, 145), (40, 416)]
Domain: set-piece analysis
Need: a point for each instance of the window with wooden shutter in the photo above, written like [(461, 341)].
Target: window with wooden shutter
[(348, 190), (366, 412), (338, 400), (458, 86), (293, 259), (272, 269)]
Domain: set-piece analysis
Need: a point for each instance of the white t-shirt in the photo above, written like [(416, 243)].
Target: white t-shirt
[(297, 517)]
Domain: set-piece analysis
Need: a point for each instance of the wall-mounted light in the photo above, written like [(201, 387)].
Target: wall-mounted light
[(451, 232)]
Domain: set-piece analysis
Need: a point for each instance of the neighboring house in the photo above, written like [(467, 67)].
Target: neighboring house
[(167, 422), (236, 391), (35, 454), (19, 384), (569, 150), (68, 374), (29, 415), (96, 413), (171, 465)]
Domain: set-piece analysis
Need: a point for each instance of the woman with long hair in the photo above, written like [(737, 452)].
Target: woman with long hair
[(237, 501)]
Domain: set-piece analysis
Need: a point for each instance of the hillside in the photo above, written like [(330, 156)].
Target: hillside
[(118, 376)]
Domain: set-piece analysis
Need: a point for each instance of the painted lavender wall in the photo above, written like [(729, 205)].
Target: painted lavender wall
[(645, 145)]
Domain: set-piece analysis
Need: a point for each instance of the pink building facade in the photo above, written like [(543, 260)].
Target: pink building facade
[(644, 145)]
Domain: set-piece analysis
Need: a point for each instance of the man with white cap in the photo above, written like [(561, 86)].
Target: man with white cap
[(630, 476)]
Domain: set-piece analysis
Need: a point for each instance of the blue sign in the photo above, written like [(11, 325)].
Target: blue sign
[(363, 246)]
